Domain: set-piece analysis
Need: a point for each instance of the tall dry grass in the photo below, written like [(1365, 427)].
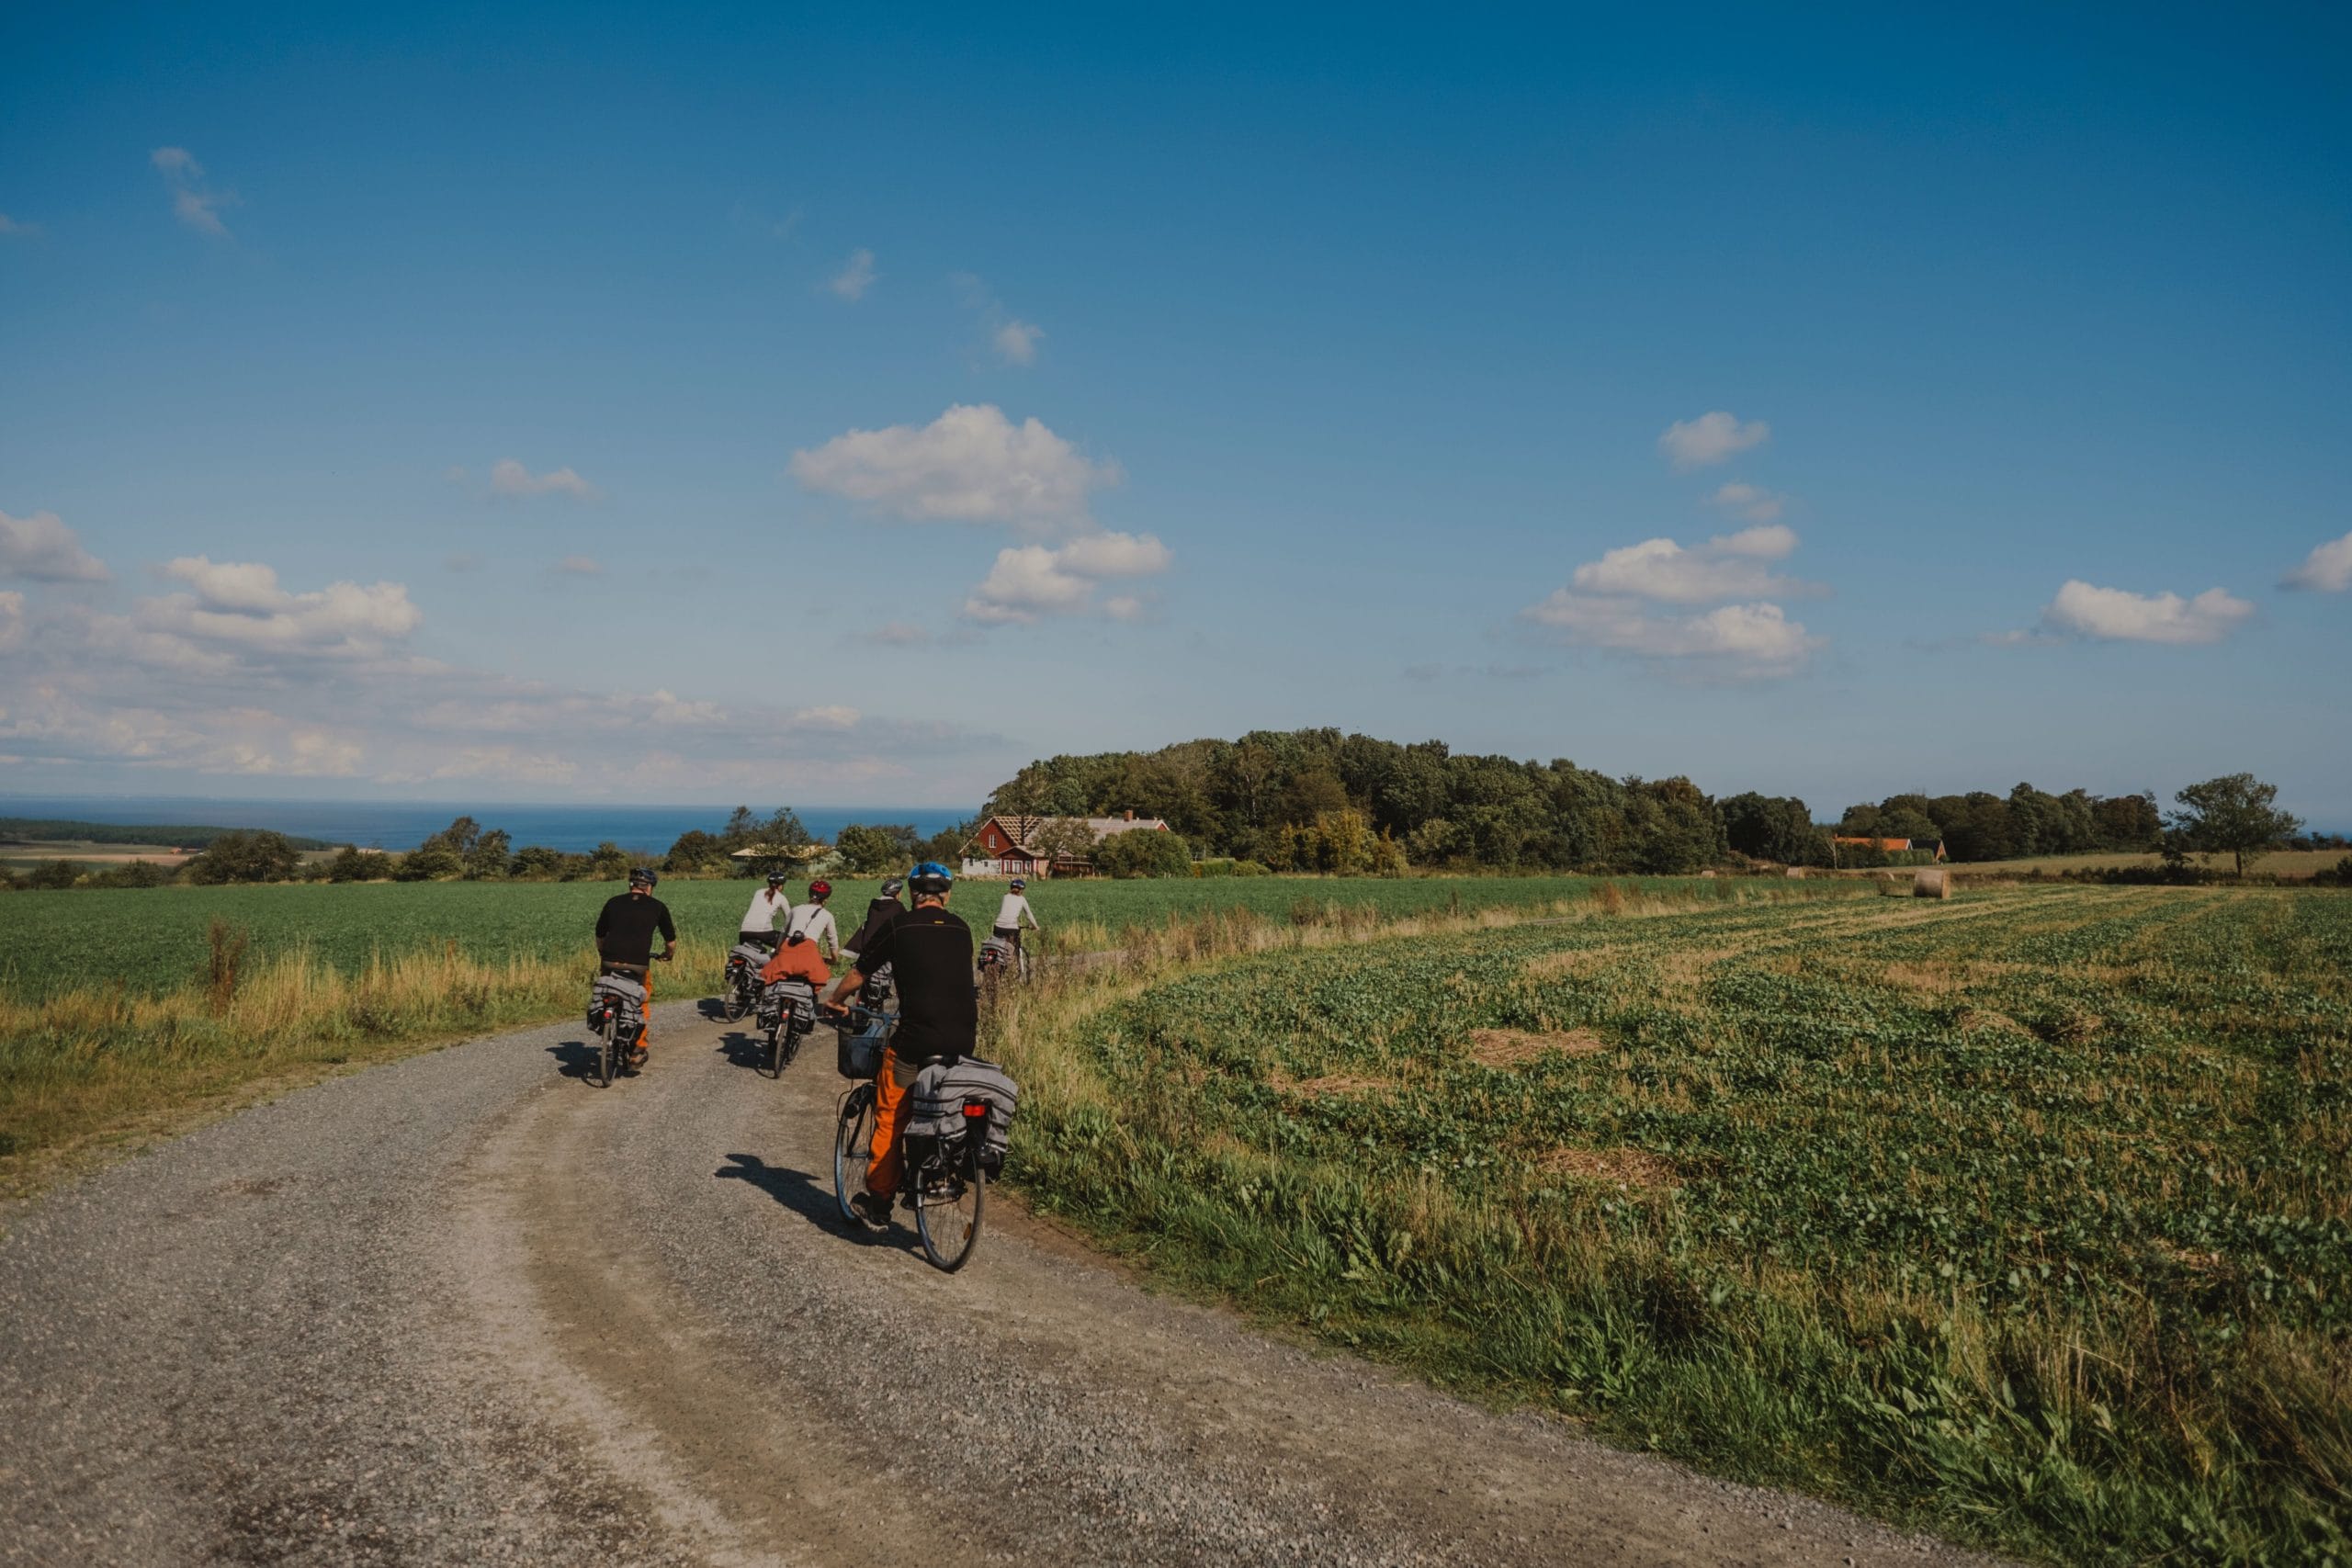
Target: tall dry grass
[(100, 1064)]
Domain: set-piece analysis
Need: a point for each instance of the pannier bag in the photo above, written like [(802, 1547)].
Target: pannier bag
[(797, 995), (939, 1095), (621, 996), (859, 1054), (997, 953), (749, 953)]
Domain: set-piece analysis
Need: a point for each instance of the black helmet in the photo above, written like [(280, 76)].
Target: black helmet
[(644, 876), (776, 879), (890, 885), (930, 878)]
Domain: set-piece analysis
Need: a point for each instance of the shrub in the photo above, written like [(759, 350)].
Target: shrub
[(53, 876), (354, 864), (262, 856), (428, 862), (1144, 851), (138, 873)]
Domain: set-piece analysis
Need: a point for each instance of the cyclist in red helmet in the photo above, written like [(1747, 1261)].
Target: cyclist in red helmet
[(813, 922)]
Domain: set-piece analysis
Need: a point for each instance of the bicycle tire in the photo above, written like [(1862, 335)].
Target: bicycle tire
[(736, 1002), (853, 1147), (950, 1238), (608, 1057)]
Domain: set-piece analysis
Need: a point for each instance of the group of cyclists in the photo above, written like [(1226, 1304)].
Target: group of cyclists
[(926, 951)]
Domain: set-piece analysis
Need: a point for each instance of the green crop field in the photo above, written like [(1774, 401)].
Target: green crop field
[(153, 940), (2028, 1215)]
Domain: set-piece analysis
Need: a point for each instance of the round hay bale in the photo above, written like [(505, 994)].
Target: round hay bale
[(1933, 882)]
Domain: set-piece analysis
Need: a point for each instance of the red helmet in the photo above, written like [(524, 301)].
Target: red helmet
[(820, 889)]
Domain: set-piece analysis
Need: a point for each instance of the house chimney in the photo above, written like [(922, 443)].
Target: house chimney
[(1131, 816)]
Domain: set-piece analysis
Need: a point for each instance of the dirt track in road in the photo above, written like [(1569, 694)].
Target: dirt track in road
[(468, 1308)]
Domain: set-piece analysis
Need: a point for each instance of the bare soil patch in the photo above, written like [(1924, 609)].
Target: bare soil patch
[(1627, 1167), (1510, 1047)]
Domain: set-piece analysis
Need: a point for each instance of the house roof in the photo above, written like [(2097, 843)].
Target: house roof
[(1021, 830)]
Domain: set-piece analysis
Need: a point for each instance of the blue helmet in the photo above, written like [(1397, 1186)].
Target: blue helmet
[(929, 877)]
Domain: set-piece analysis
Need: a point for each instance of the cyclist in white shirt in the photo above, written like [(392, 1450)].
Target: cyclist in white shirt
[(815, 921), (769, 905), (1009, 916)]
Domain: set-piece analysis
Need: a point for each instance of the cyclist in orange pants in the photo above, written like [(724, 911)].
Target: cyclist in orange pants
[(929, 954)]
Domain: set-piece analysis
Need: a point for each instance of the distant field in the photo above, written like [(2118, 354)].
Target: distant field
[(22, 854), (153, 940), (2284, 863)]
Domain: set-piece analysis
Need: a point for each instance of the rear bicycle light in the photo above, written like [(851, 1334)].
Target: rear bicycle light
[(974, 1110)]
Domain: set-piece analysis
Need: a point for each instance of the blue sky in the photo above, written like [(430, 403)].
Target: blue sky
[(790, 405)]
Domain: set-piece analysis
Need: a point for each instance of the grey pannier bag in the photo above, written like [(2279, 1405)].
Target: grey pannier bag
[(942, 1090), (793, 993), (623, 997), (750, 953)]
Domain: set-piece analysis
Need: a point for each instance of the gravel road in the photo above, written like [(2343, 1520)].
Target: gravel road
[(470, 1309)]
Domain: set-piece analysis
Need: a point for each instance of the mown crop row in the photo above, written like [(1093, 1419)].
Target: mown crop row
[(2024, 1214)]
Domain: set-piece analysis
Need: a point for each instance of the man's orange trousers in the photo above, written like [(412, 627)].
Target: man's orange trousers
[(892, 1100)]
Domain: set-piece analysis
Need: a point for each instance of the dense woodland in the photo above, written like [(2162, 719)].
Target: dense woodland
[(1321, 799)]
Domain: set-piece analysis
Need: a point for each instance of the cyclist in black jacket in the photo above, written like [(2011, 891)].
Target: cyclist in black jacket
[(625, 942), (929, 954)]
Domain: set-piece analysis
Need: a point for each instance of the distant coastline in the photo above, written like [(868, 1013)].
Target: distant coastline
[(403, 825)]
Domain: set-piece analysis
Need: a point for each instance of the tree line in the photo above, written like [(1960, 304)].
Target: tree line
[(1324, 800)]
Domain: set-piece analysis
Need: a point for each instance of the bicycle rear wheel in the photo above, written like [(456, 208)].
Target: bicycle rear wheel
[(947, 1214), (775, 1068), (852, 1148), (608, 1056), (738, 1001)]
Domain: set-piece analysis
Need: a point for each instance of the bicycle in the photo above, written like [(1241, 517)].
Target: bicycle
[(951, 1187), (740, 989), (794, 1016), (616, 1034), (861, 1058)]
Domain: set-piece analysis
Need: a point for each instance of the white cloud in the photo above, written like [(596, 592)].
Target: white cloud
[(1750, 501), (2327, 568), (1125, 607), (855, 276), (15, 226), (1743, 640), (239, 606), (1016, 342), (1730, 567), (1710, 438), (580, 566), (971, 464), (1030, 582), (2116, 616), (196, 203), (231, 673), (42, 548), (1011, 339), (1606, 605), (508, 476)]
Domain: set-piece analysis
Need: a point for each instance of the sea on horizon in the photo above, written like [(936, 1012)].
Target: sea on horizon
[(403, 825)]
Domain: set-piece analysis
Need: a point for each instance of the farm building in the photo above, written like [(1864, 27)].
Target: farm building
[(1041, 846)]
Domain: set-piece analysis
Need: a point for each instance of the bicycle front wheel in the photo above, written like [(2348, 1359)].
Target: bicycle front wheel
[(852, 1148), (947, 1216)]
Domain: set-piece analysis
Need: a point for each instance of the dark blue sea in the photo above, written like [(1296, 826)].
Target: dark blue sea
[(398, 825)]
